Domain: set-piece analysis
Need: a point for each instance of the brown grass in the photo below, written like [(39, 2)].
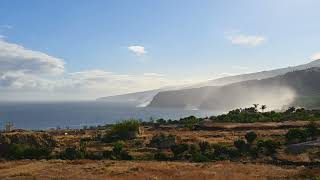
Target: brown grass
[(86, 169)]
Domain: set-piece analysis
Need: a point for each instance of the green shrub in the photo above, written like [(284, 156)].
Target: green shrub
[(71, 153), (107, 154), (241, 146), (161, 141), (223, 152), (267, 147), (312, 130), (193, 149), (24, 151), (118, 152), (204, 146), (189, 122), (178, 150), (296, 135), (254, 152), (124, 155), (161, 156), (251, 137), (94, 156), (199, 157), (123, 131)]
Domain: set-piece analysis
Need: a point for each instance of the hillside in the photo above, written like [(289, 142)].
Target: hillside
[(145, 97), (276, 92)]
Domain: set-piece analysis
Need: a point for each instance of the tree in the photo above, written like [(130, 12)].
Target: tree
[(251, 137), (291, 110), (256, 106), (263, 107)]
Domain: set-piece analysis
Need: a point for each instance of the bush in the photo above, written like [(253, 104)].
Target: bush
[(312, 131), (117, 153), (123, 131), (199, 157), (24, 151), (94, 156), (107, 154), (178, 150), (118, 147), (189, 122), (162, 141), (241, 146), (296, 135), (251, 137), (193, 149), (223, 152), (267, 147), (71, 153), (160, 156), (204, 146), (124, 155)]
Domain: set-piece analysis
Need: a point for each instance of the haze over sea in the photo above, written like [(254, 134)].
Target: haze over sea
[(46, 115)]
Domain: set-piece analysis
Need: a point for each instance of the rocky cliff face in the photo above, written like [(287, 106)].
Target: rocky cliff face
[(275, 92)]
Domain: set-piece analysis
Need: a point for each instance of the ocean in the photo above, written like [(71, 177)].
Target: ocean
[(47, 115)]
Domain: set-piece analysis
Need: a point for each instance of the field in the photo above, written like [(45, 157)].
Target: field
[(281, 165), (87, 169)]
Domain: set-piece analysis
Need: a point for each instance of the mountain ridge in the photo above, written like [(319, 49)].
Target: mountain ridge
[(276, 92), (145, 97)]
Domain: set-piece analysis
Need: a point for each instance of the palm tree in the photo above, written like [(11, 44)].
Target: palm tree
[(263, 107), (255, 106)]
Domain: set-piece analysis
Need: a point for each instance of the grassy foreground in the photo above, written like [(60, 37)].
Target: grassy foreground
[(220, 147)]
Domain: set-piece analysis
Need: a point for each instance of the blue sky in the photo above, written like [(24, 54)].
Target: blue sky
[(152, 43)]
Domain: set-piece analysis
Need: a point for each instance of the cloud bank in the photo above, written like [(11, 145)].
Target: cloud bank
[(16, 58), (27, 74)]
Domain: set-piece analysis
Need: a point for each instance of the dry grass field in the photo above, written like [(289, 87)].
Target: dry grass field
[(244, 169), (128, 170)]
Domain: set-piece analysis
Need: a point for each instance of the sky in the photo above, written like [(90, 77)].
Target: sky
[(81, 50)]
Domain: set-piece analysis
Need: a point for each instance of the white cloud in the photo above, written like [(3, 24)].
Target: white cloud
[(14, 57), (315, 56), (26, 74), (19, 81), (137, 50), (248, 40)]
